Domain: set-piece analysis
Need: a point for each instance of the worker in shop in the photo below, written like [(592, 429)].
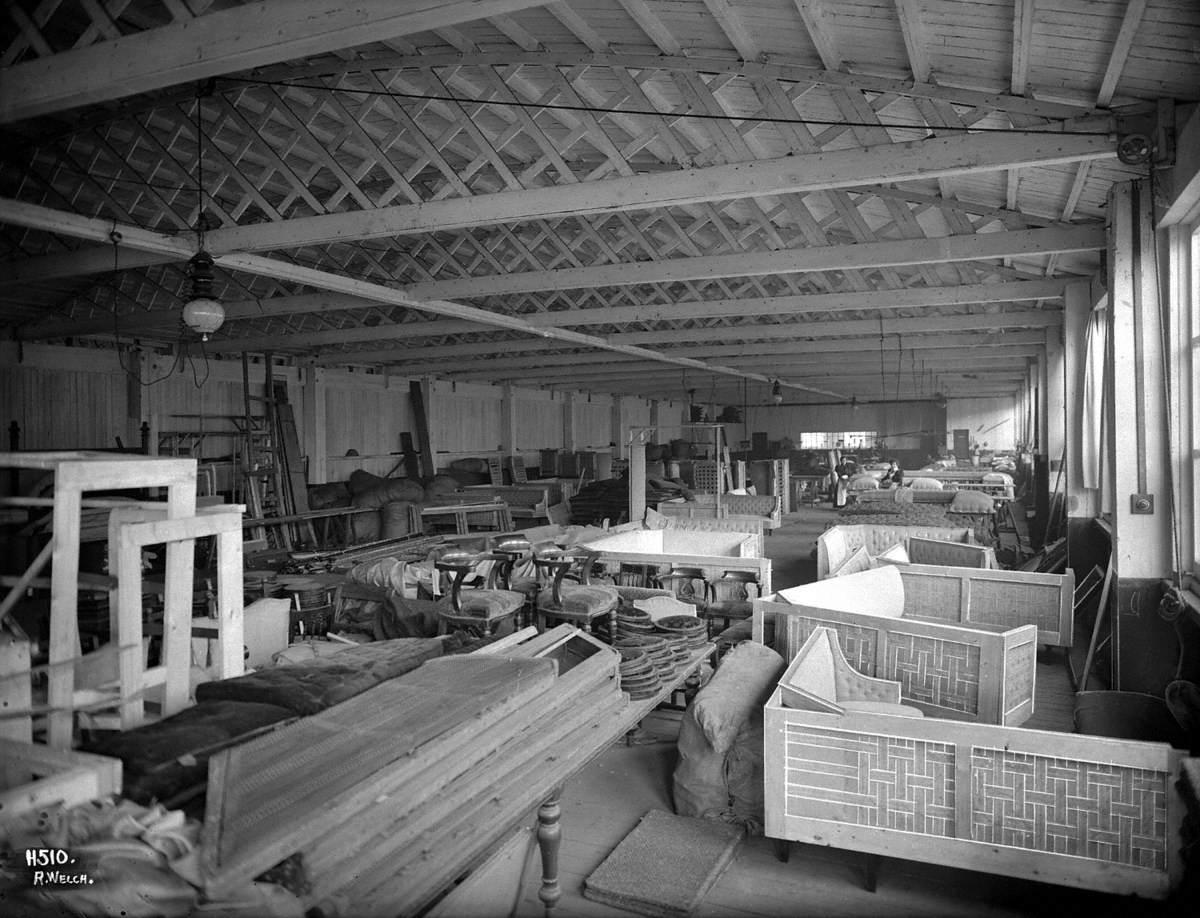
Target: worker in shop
[(893, 477)]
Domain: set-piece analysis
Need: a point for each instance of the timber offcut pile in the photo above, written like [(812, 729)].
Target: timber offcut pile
[(390, 796)]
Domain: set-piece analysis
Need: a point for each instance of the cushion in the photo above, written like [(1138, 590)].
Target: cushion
[(580, 599), (863, 483), (925, 484), (897, 554), (485, 604), (153, 755), (971, 502), (312, 686), (859, 560)]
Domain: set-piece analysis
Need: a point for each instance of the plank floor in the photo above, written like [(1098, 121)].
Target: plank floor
[(604, 803)]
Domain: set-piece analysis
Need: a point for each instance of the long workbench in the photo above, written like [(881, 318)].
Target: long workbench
[(391, 831)]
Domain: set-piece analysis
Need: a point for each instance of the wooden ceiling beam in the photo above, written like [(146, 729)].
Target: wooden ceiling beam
[(884, 163), (908, 344), (813, 14), (46, 219), (770, 66), (226, 41), (1134, 10), (1022, 41), (1080, 238), (809, 172), (942, 361), (916, 39)]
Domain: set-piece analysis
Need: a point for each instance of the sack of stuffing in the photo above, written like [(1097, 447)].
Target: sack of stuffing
[(711, 726)]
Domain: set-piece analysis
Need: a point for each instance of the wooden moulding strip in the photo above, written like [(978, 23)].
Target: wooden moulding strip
[(467, 824), (345, 860), (228, 862)]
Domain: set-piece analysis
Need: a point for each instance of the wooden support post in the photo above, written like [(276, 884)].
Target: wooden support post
[(177, 603), (508, 422), (618, 425), (571, 424), (637, 476), (313, 415), (15, 689), (64, 613), (1081, 441), (420, 392), (1143, 645)]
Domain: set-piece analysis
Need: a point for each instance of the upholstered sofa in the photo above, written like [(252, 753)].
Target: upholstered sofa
[(983, 673), (836, 544), (956, 595)]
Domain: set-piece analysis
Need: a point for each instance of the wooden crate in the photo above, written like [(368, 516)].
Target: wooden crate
[(1083, 811), (34, 777), (983, 674)]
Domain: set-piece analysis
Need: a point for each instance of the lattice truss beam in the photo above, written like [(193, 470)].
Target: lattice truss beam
[(368, 141)]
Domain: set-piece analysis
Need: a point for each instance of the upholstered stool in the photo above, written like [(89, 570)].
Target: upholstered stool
[(476, 609), (579, 604)]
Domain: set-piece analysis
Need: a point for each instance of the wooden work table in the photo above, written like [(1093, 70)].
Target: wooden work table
[(397, 836), (583, 747)]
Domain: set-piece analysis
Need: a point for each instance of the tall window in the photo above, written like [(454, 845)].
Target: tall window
[(1185, 268)]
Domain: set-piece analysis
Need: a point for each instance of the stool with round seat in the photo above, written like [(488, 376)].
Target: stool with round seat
[(479, 609), (577, 603)]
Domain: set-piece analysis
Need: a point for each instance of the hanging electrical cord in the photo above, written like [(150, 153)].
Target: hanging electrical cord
[(654, 113), (115, 238)]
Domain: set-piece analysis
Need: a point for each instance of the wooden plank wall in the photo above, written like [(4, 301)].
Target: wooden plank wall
[(465, 420), (366, 413), (93, 401), (62, 401), (593, 422), (538, 418)]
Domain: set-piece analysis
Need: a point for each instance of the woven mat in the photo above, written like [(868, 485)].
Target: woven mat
[(665, 866)]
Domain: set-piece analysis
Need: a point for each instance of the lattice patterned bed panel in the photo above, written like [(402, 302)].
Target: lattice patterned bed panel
[(992, 597), (982, 675), (1086, 811)]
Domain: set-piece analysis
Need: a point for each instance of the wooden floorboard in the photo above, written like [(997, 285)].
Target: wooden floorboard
[(603, 804)]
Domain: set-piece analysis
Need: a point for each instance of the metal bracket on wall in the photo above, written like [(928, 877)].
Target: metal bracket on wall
[(1141, 503)]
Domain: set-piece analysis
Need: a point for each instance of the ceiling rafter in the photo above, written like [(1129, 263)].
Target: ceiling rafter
[(225, 41), (48, 220)]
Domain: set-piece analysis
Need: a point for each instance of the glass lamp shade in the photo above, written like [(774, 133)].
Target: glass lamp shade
[(204, 315)]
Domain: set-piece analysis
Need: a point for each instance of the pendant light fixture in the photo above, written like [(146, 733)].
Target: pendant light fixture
[(203, 313), (777, 393)]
